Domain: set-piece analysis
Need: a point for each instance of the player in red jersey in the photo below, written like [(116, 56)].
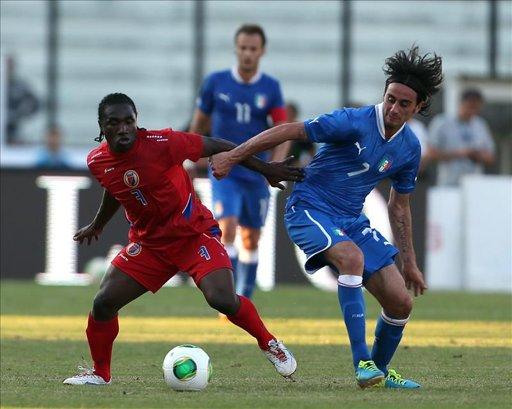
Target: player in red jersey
[(170, 230)]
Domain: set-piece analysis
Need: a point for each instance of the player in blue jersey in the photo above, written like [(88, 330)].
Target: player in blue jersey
[(237, 104), (361, 146)]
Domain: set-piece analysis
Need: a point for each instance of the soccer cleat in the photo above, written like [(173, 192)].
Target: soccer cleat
[(367, 374), (395, 381), (86, 377), (282, 359)]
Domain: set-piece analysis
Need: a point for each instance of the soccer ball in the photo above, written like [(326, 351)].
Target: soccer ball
[(187, 368)]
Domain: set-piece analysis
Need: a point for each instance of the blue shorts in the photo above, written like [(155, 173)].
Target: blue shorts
[(248, 202), (314, 232)]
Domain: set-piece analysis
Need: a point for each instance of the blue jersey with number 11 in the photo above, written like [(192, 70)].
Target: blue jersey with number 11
[(354, 158), (239, 110)]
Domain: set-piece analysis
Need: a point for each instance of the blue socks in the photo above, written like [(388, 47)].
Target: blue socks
[(246, 267), (247, 277), (350, 295), (233, 256), (246, 272), (388, 334)]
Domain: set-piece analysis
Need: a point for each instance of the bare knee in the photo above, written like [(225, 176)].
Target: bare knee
[(250, 238), (104, 307), (222, 300), (347, 258), (401, 307), (250, 243)]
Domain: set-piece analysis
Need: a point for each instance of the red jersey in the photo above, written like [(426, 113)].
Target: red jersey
[(153, 187)]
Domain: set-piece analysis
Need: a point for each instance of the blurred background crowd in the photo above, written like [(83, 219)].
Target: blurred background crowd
[(60, 57)]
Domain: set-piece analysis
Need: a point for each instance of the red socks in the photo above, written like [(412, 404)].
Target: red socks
[(248, 319), (101, 336)]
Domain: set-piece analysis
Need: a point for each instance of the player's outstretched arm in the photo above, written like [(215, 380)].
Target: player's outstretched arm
[(223, 162), (274, 172), (107, 209), (401, 223)]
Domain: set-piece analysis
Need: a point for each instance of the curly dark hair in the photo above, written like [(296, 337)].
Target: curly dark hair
[(112, 99), (422, 73)]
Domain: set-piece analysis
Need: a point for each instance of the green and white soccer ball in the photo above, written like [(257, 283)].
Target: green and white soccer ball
[(187, 368)]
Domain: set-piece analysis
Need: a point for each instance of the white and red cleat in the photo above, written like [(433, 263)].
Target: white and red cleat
[(86, 377), (282, 359)]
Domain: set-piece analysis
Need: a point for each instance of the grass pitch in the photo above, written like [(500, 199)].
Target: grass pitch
[(459, 346)]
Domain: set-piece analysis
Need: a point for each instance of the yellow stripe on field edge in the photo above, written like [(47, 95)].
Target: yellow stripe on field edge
[(420, 333)]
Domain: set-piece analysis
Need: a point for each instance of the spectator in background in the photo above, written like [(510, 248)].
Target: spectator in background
[(52, 156), (302, 151), (461, 145), (21, 101)]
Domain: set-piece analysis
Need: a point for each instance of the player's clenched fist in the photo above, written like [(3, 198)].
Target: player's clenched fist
[(220, 164)]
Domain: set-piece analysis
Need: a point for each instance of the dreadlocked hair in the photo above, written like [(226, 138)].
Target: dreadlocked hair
[(422, 73), (112, 99)]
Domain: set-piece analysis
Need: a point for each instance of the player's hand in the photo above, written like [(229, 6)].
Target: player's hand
[(87, 233), (476, 156), (462, 153), (220, 164), (281, 171), (414, 280)]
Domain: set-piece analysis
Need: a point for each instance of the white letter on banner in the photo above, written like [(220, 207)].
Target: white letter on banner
[(61, 224)]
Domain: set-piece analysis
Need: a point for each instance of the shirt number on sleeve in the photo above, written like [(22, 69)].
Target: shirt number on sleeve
[(366, 168)]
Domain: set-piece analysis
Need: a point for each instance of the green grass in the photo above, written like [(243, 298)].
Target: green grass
[(452, 377), (28, 298)]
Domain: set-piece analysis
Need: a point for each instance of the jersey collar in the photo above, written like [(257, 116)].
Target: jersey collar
[(255, 78), (379, 111)]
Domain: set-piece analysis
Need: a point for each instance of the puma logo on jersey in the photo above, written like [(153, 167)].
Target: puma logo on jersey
[(224, 97), (359, 148), (109, 170)]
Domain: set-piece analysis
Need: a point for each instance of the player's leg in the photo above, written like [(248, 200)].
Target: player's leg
[(248, 260), (252, 218), (228, 226), (388, 287), (218, 289), (325, 243), (227, 205), (116, 290), (382, 279), (348, 259)]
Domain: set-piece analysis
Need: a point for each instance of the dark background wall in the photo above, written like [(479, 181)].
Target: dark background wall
[(23, 227), (23, 223)]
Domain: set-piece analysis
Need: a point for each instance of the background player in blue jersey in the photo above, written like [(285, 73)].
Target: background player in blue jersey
[(361, 146), (237, 104)]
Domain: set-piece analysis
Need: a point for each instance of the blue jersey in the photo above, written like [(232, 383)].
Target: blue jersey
[(239, 110), (354, 158)]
